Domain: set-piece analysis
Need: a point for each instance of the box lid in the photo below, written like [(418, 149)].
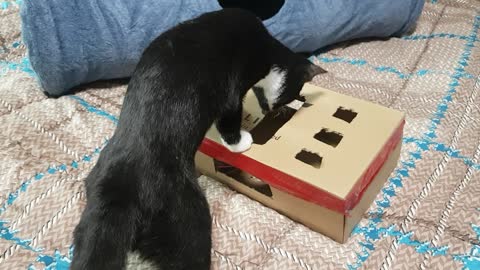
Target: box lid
[(325, 149)]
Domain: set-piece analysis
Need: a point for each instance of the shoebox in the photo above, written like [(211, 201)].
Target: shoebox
[(321, 161)]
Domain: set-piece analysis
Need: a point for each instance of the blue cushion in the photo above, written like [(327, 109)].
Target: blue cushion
[(79, 41)]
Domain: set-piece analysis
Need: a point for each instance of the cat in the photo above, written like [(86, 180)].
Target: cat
[(142, 194)]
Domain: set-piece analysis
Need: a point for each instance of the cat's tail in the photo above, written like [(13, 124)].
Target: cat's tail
[(103, 238)]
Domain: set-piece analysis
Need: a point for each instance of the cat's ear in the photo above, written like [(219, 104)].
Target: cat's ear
[(311, 71)]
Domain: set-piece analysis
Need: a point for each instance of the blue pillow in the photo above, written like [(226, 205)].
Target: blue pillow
[(79, 41)]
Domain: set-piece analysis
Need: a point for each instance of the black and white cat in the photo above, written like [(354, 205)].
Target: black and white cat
[(142, 195)]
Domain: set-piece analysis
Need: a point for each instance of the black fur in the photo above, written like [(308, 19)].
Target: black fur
[(143, 194), (264, 9)]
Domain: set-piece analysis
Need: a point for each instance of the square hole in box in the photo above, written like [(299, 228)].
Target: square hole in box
[(273, 121), (331, 138), (345, 114), (310, 158), (242, 177), (270, 124)]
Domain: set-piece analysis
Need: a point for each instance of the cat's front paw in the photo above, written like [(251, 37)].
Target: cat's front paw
[(243, 145)]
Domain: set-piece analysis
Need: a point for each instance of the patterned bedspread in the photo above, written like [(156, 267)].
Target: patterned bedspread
[(427, 215)]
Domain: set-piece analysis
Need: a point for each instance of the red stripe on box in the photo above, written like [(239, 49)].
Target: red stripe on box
[(362, 184), (297, 187)]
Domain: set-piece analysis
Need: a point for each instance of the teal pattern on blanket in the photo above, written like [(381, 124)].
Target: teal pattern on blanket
[(57, 261), (471, 260)]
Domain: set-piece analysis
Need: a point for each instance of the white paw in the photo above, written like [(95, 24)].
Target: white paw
[(243, 145)]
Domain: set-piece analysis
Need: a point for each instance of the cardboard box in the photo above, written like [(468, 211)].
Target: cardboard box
[(321, 162)]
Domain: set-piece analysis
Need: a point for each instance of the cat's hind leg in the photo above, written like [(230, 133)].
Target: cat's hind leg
[(103, 238), (179, 237)]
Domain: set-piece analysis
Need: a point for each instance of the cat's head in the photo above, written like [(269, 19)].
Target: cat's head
[(282, 85)]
